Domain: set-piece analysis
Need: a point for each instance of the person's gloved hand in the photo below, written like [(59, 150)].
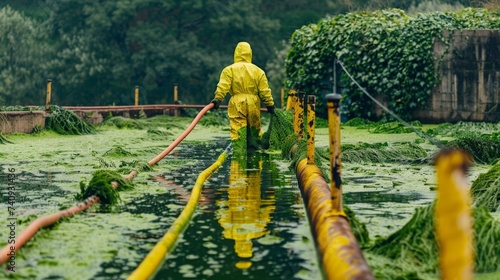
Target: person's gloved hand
[(270, 109), (216, 103)]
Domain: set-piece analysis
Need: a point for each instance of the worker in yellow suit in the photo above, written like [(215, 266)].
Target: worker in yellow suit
[(247, 85)]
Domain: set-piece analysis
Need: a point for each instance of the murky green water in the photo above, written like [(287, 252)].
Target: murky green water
[(251, 222)]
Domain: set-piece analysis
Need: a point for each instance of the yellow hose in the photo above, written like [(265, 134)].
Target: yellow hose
[(155, 257)]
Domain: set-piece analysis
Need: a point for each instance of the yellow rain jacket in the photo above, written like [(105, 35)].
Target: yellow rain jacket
[(247, 84)]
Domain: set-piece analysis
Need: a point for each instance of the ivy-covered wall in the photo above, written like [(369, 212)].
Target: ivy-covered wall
[(469, 89), (389, 53)]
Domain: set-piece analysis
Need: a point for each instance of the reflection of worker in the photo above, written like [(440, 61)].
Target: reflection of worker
[(247, 84), (244, 216)]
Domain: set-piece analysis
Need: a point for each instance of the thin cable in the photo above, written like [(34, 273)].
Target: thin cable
[(417, 131)]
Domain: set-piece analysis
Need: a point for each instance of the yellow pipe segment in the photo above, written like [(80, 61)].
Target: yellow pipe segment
[(156, 256), (453, 216), (340, 254)]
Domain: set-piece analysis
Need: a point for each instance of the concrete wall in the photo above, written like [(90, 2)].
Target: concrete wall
[(21, 121), (470, 78)]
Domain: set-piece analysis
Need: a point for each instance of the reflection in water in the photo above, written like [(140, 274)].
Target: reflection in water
[(244, 215)]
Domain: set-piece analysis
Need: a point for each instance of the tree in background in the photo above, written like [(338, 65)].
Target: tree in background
[(97, 51), (104, 49), (22, 67)]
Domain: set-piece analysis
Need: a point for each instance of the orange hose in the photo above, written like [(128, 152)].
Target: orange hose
[(182, 136), (42, 222)]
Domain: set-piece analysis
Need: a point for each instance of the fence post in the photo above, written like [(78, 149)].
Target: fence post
[(333, 103), (290, 100), (136, 96), (298, 115), (282, 97), (311, 116), (49, 92)]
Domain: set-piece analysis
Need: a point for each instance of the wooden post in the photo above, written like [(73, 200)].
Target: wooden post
[(136, 94), (298, 115), (49, 91), (176, 94), (311, 116), (176, 100)]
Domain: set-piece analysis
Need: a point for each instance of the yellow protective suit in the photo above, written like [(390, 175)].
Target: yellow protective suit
[(247, 84)]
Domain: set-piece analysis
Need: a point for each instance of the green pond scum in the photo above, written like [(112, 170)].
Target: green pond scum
[(486, 189), (65, 122), (101, 185), (388, 184)]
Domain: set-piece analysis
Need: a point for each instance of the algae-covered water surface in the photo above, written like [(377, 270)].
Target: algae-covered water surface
[(250, 222)]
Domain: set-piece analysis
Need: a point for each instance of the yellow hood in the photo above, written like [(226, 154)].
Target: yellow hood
[(243, 52)]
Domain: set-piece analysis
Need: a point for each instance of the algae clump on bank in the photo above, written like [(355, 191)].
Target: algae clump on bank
[(101, 186), (485, 189), (416, 242)]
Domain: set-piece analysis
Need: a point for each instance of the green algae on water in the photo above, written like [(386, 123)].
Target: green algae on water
[(215, 118), (121, 122), (403, 152), (485, 189), (100, 185), (136, 165), (416, 241), (66, 122), (117, 152), (4, 140), (465, 129), (484, 150), (393, 127), (280, 127), (358, 228)]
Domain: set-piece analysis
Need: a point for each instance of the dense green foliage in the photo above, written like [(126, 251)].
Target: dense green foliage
[(388, 52)]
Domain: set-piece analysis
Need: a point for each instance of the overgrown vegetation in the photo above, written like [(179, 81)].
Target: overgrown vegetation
[(485, 189), (484, 150), (403, 152), (117, 152), (215, 118), (66, 122), (416, 242), (101, 185), (466, 129), (4, 140), (388, 52), (280, 127), (151, 124)]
